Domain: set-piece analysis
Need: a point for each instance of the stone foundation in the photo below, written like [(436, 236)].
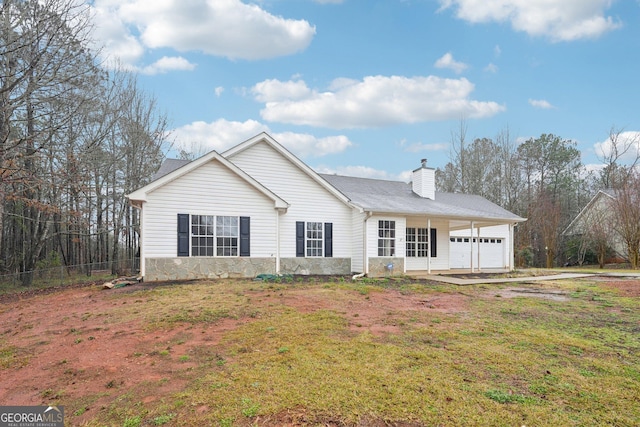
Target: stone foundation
[(319, 266), (187, 268), (379, 267)]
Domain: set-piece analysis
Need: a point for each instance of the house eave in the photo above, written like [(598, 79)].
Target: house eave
[(142, 193), (478, 219)]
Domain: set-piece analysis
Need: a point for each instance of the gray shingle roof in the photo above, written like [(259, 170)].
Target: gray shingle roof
[(397, 197), (168, 166)]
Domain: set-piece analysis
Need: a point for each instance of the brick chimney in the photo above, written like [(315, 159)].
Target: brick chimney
[(423, 181)]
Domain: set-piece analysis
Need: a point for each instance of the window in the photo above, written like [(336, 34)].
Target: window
[(386, 238), (417, 242), (227, 236), (202, 235), (210, 235), (314, 239)]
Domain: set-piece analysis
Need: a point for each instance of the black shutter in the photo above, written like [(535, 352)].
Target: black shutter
[(183, 234), (433, 243), (299, 238), (328, 240), (245, 233)]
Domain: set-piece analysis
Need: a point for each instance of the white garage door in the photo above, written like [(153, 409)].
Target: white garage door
[(491, 252)]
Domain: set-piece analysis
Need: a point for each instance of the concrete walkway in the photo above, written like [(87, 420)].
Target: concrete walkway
[(459, 281)]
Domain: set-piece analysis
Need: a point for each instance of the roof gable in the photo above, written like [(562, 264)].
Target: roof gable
[(176, 168), (606, 194), (303, 167)]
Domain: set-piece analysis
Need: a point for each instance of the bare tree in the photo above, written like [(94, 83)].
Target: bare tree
[(458, 157), (597, 230), (620, 156), (627, 216), (46, 72)]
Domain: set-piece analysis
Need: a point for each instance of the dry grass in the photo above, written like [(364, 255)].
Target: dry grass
[(499, 361)]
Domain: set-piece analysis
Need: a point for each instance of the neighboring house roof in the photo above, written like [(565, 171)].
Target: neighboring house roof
[(174, 169), (381, 196), (607, 193)]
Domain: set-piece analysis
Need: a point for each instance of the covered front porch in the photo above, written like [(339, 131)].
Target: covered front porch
[(461, 246)]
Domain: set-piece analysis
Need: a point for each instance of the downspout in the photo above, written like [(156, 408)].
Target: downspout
[(143, 264), (278, 241), (365, 261)]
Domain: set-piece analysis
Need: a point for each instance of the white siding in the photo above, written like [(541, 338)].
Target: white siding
[(358, 242), (372, 235), (424, 182), (211, 189), (308, 200), (441, 260)]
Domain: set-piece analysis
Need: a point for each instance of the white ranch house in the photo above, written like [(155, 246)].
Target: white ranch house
[(257, 208)]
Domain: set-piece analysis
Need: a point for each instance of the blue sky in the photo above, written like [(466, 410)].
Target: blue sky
[(368, 88)]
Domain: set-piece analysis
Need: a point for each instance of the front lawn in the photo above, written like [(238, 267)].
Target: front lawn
[(378, 352)]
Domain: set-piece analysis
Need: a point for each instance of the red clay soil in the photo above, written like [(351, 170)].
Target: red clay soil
[(65, 344), (626, 288)]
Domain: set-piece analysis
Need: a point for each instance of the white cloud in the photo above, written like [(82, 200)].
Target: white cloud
[(447, 61), (497, 51), (201, 137), (117, 44), (559, 20), (491, 68), (228, 28), (358, 171), (627, 142), (218, 91), (275, 90), (219, 135), (375, 101), (166, 64), (329, 1), (305, 145), (541, 103)]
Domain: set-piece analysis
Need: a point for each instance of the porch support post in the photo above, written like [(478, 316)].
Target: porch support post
[(429, 246), (511, 255), (478, 246), (471, 246)]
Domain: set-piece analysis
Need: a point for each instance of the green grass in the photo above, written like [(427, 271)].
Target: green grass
[(497, 361)]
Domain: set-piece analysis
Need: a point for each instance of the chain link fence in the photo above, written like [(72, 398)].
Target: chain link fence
[(68, 275)]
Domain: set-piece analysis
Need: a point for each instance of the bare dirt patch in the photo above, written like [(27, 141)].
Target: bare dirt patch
[(69, 345), (627, 288), (550, 294), (378, 311), (79, 343)]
